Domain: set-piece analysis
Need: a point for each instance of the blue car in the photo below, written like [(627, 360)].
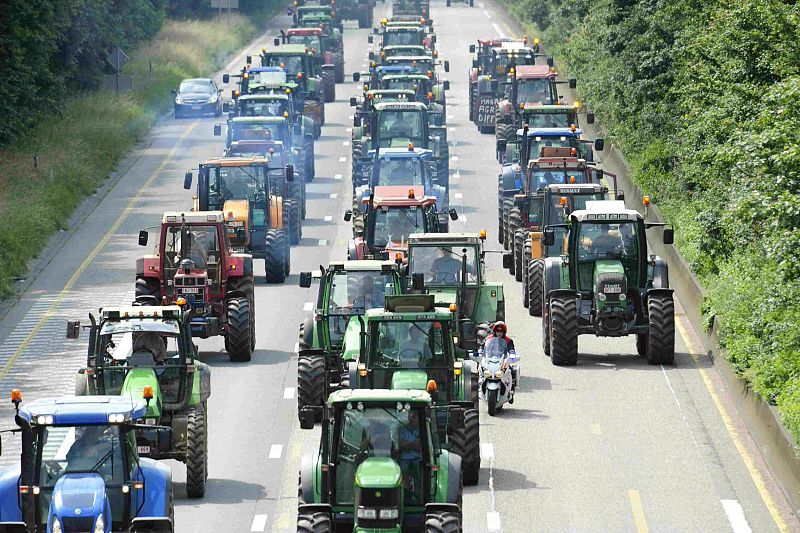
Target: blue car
[(80, 469)]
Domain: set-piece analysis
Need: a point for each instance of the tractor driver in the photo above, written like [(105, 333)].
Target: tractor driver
[(369, 296), (235, 185), (401, 227), (94, 450), (197, 249), (445, 268), (607, 242), (415, 351)]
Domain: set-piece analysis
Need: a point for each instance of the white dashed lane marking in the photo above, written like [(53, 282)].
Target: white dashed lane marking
[(259, 523), (308, 306), (288, 393), (275, 451)]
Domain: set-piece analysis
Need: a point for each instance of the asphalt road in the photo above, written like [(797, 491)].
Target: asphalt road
[(609, 445)]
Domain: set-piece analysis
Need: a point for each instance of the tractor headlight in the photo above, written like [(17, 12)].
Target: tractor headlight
[(601, 297), (56, 525), (498, 374), (487, 373), (367, 514), (116, 418), (100, 525), (622, 297), (389, 514)]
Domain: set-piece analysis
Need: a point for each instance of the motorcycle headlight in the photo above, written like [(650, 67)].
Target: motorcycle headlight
[(601, 297), (100, 525), (56, 525), (498, 374), (487, 373)]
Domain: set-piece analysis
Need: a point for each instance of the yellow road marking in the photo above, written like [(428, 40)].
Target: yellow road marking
[(638, 512), (90, 258), (749, 463)]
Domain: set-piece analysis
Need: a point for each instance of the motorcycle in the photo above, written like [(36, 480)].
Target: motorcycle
[(498, 370)]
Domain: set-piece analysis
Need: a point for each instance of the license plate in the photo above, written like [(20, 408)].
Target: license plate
[(612, 289), (190, 291), (196, 107), (143, 449), (238, 249)]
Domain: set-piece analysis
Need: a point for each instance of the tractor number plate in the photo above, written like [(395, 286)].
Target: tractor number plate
[(190, 291), (612, 289), (196, 107), (143, 449), (238, 249)]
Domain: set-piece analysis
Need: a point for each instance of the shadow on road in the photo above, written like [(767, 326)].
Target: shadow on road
[(225, 491)]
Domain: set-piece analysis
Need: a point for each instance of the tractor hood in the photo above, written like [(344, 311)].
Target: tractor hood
[(444, 295), (79, 499), (609, 281), (409, 380), (240, 209), (135, 381), (378, 473)]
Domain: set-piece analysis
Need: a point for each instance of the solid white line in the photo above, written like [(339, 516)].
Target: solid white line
[(259, 523), (308, 306), (342, 159), (337, 176), (493, 522), (275, 451), (349, 130), (487, 451), (500, 32), (459, 196), (323, 242), (288, 393), (296, 347), (334, 195), (328, 218), (735, 514)]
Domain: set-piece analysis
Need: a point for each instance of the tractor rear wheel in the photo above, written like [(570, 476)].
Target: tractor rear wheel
[(339, 68), (519, 243), (291, 217), (329, 85), (545, 332), (661, 337), (314, 522), (297, 193), (535, 288), (311, 108), (196, 452), (308, 153), (275, 258), (239, 340), (311, 377), (563, 331), (442, 522), (466, 442), (514, 222)]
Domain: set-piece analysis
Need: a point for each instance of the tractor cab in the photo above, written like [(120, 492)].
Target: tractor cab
[(255, 80), (424, 64), (534, 143), (558, 165), (299, 63), (482, 56), (544, 116), (311, 38), (80, 468), (404, 35), (425, 90), (380, 466)]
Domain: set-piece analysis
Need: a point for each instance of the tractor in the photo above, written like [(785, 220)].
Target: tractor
[(380, 466), (451, 267), (389, 217), (406, 34), (194, 262), (317, 16), (607, 285), (411, 9), (145, 351), (256, 195), (80, 470), (360, 10), (529, 142), (408, 344), (346, 289), (425, 90), (330, 47), (553, 116)]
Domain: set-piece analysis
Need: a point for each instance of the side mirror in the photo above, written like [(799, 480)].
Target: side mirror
[(669, 235), (599, 144), (573, 83), (353, 101), (305, 279), (226, 78), (290, 173), (549, 237), (348, 215), (371, 55), (620, 196), (453, 214), (164, 439), (370, 39), (357, 122), (433, 38), (73, 329), (306, 418), (187, 180), (472, 49), (249, 60), (508, 260), (446, 85), (226, 107), (276, 41), (217, 130), (590, 118), (143, 235), (550, 62), (474, 63), (446, 65), (356, 76), (418, 281), (234, 96)]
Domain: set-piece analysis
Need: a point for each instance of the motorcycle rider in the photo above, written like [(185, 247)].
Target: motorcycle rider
[(500, 331)]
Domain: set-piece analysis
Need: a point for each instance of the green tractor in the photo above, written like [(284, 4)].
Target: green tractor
[(607, 285), (409, 344), (144, 351), (403, 34), (380, 466), (450, 266), (346, 289)]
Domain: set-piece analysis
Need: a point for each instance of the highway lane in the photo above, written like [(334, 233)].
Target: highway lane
[(609, 445)]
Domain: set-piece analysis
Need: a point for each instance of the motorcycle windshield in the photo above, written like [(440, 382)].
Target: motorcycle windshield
[(495, 349)]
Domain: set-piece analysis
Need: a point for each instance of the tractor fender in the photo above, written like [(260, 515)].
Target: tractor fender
[(509, 179), (352, 372), (276, 212), (157, 478), (442, 199), (307, 492), (660, 274), (201, 384), (147, 266), (9, 493), (453, 475), (659, 292), (552, 274)]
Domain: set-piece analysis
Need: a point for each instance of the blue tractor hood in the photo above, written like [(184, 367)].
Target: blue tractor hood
[(79, 498)]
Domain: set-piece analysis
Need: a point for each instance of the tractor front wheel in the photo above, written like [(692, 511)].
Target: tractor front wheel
[(314, 522), (329, 85), (442, 522), (563, 331), (519, 244), (291, 220), (196, 453), (535, 289), (275, 258), (661, 337), (238, 337), (466, 442), (308, 164), (311, 376)]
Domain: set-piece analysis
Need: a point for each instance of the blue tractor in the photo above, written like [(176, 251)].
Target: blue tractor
[(80, 469)]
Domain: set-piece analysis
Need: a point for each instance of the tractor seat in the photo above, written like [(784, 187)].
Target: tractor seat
[(142, 358)]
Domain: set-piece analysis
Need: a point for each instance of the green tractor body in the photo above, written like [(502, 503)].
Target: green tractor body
[(408, 344), (380, 466), (346, 289), (407, 34), (607, 285), (147, 352)]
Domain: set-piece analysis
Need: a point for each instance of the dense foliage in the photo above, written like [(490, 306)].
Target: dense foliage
[(704, 99)]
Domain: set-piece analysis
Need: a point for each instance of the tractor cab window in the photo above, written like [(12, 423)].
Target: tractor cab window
[(263, 108), (312, 42), (603, 241), (266, 78), (407, 345), (540, 179), (443, 265), (248, 131), (293, 64), (536, 143), (352, 293), (74, 452), (394, 124), (535, 90), (399, 171), (395, 431), (198, 243), (234, 183), (399, 84), (400, 38), (549, 120), (394, 225)]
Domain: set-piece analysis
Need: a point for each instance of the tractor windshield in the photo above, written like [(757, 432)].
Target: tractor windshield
[(533, 90), (352, 293), (266, 78), (262, 107), (258, 131), (603, 241), (234, 183), (549, 120), (443, 265), (198, 243), (79, 452), (536, 143), (399, 171), (540, 179), (397, 124), (410, 37), (394, 225), (396, 431), (292, 63), (312, 42)]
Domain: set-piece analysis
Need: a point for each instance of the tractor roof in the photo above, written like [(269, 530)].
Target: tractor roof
[(82, 410), (287, 49), (398, 153), (515, 46), (557, 163), (401, 196), (535, 107), (442, 314), (401, 106), (410, 58), (531, 72), (258, 120), (398, 94), (237, 161), (130, 312), (551, 132), (362, 265), (444, 238), (409, 74), (403, 26), (576, 188), (304, 31), (265, 96), (379, 395), (193, 217), (405, 47), (606, 211)]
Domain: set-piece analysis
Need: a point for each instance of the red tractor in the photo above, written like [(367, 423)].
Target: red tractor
[(194, 266)]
